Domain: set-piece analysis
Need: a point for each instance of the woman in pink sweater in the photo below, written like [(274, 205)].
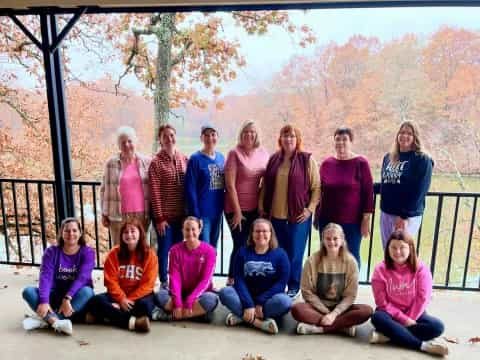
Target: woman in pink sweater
[(191, 266), (402, 287)]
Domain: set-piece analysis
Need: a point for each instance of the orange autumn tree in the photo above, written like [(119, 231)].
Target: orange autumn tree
[(190, 50)]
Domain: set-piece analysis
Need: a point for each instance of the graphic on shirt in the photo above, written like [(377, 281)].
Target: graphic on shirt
[(401, 288), (330, 286), (131, 272), (66, 273), (216, 177), (393, 171), (258, 268)]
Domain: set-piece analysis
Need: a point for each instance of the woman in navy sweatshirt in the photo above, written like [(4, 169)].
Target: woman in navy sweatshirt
[(406, 176), (65, 284), (261, 271), (205, 186)]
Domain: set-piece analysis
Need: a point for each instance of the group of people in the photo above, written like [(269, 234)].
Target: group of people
[(270, 203)]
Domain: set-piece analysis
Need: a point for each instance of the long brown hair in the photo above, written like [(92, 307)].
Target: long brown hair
[(401, 235), (272, 243), (343, 252), (417, 143), (142, 246), (61, 241)]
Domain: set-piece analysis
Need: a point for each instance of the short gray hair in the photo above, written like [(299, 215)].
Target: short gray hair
[(128, 132), (242, 129)]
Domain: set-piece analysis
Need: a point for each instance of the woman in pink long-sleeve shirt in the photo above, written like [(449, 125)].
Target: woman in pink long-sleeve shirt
[(402, 287), (191, 267)]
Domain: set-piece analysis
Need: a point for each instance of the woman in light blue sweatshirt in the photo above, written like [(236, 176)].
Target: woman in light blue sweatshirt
[(205, 186)]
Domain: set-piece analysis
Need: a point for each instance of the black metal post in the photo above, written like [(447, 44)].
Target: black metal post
[(58, 117)]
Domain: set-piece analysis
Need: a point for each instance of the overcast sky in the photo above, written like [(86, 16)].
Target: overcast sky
[(267, 54)]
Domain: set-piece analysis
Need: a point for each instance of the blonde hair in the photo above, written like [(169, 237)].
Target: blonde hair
[(343, 252), (242, 129), (194, 219), (417, 144)]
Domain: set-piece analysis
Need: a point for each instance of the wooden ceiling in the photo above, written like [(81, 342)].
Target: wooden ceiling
[(25, 4)]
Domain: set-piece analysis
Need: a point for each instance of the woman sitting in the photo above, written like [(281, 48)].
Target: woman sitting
[(261, 272), (130, 274), (402, 287), (65, 284), (190, 267), (329, 286)]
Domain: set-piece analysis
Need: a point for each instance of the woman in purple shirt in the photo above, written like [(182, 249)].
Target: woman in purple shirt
[(347, 192), (65, 284)]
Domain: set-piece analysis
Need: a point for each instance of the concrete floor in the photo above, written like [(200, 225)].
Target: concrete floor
[(459, 310)]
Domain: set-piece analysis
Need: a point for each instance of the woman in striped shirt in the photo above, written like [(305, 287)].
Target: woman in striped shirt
[(167, 179)]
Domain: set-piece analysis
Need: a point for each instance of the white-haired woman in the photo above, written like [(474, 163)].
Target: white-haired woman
[(406, 176), (244, 169), (125, 189)]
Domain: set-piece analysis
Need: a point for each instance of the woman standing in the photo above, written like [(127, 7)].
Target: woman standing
[(402, 287), (191, 267), (130, 272), (347, 192), (167, 184), (125, 192), (329, 288), (406, 177), (65, 284), (244, 170), (289, 196), (204, 186), (261, 272)]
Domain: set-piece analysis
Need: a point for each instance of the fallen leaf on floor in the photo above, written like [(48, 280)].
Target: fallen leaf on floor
[(3, 286), (83, 342), (451, 339), (16, 273), (253, 357), (474, 340)]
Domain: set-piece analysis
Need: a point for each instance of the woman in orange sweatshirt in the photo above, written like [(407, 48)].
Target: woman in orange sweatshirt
[(130, 272)]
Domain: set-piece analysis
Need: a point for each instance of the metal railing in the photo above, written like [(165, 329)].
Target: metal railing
[(448, 240)]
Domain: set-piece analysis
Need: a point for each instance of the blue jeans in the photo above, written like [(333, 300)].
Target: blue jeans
[(208, 300), (411, 337), (275, 307), (292, 237), (31, 295), (211, 230), (173, 235), (240, 237), (353, 236)]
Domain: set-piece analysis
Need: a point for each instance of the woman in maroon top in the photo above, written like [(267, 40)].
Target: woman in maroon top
[(347, 192)]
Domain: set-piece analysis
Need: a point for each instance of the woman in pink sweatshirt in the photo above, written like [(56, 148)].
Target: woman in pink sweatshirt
[(402, 287), (191, 266)]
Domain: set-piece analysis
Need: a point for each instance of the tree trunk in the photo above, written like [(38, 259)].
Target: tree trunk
[(163, 72)]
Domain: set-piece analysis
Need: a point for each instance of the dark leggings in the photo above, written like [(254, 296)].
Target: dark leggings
[(354, 315), (101, 307), (411, 337)]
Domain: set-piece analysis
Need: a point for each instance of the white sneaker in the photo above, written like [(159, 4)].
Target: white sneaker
[(350, 331), (32, 322), (63, 326), (307, 329), (376, 337), (435, 347)]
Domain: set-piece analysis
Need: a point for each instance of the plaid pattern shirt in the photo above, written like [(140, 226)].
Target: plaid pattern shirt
[(110, 188)]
